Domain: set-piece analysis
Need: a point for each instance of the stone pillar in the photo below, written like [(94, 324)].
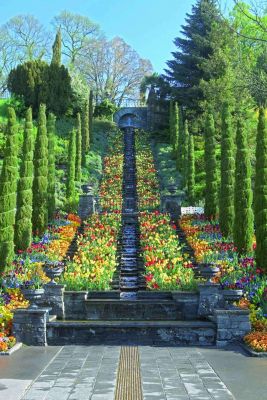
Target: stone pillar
[(187, 302), (210, 298), (87, 205), (171, 203), (29, 326), (75, 305), (232, 324), (54, 298)]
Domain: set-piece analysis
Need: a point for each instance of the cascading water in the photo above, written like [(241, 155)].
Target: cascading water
[(129, 269)]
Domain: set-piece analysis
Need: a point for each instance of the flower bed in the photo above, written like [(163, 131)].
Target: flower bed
[(166, 267), (235, 272), (111, 185), (94, 264), (147, 182), (27, 270)]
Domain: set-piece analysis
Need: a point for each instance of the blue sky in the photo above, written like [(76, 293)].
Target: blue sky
[(149, 26)]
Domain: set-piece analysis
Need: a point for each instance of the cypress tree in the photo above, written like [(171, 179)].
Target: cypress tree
[(40, 184), (51, 190), (211, 192), (191, 170), (85, 133), (176, 127), (70, 189), (243, 219), (56, 57), (261, 192), (23, 224), (180, 142), (8, 188), (171, 122), (78, 173), (226, 215), (185, 145), (91, 113)]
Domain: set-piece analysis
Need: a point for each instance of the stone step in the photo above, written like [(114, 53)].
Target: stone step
[(199, 333), (130, 310)]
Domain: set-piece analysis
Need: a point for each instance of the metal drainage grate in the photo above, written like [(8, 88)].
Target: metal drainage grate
[(128, 385)]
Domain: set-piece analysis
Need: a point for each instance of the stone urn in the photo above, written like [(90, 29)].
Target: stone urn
[(53, 270), (87, 189), (208, 271), (172, 188), (32, 295), (232, 295)]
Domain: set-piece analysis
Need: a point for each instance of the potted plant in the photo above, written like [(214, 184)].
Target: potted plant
[(208, 270)]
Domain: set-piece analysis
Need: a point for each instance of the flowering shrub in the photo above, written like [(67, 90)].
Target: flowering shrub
[(166, 267), (235, 272), (94, 264), (147, 182)]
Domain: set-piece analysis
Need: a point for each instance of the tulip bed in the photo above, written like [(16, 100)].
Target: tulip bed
[(235, 272), (27, 270), (111, 185), (94, 264), (147, 183), (167, 268)]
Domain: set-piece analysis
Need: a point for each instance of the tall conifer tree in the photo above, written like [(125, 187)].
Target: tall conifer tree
[(180, 142), (78, 174), (185, 70), (23, 224), (8, 189), (261, 192), (171, 112), (243, 219), (176, 127), (91, 113), (226, 214), (185, 145), (56, 57), (85, 133), (40, 182), (191, 170), (211, 192), (51, 191), (70, 189)]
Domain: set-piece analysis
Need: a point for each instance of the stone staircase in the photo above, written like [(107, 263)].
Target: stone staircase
[(128, 278), (155, 318), (128, 313)]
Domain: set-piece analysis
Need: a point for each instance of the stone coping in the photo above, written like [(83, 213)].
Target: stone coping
[(32, 310), (133, 324), (251, 352), (235, 311), (16, 347)]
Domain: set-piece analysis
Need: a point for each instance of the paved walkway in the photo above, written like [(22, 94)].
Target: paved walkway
[(90, 373)]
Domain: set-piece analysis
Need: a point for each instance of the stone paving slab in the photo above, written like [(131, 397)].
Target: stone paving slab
[(90, 373), (78, 372), (180, 374)]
